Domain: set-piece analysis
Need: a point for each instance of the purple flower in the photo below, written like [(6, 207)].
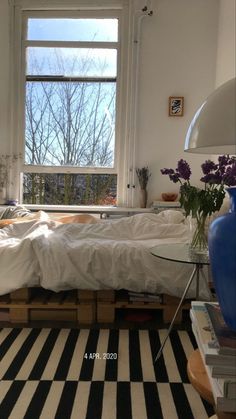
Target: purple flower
[(175, 177), (232, 169), (223, 160), (216, 178), (212, 178), (205, 178), (229, 177), (221, 170), (209, 199), (208, 167), (183, 169), (167, 171)]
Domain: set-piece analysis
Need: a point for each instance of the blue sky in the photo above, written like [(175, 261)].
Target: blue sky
[(73, 29), (103, 62)]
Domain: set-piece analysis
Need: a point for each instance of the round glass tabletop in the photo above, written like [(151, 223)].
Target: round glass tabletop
[(179, 252)]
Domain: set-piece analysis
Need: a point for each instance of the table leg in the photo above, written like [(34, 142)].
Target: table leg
[(195, 270), (198, 267), (207, 284)]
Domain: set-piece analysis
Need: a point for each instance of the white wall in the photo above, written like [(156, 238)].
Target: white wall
[(226, 59), (178, 58)]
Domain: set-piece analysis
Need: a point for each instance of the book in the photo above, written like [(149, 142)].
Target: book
[(226, 387), (145, 297), (207, 338), (163, 204), (221, 371), (200, 317), (224, 404), (225, 336), (222, 388), (222, 367), (229, 389)]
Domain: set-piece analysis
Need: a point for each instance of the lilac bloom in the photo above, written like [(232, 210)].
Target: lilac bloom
[(205, 178), (223, 160), (230, 180), (166, 171), (209, 199), (212, 178), (208, 167), (230, 175), (183, 169), (216, 178), (221, 170), (175, 177)]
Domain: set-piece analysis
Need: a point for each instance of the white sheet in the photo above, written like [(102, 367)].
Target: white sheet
[(18, 265), (113, 254)]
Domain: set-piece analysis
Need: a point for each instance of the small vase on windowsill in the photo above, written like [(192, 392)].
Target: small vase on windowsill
[(143, 198), (143, 176)]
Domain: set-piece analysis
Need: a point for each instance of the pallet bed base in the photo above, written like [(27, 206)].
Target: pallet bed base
[(82, 306), (109, 301), (28, 304)]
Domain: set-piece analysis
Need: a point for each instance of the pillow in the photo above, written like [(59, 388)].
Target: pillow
[(37, 216), (80, 218), (14, 212), (172, 216)]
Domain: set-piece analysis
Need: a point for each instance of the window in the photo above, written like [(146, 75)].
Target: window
[(71, 139)]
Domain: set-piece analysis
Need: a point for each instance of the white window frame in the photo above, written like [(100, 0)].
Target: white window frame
[(23, 9), (131, 16), (74, 44)]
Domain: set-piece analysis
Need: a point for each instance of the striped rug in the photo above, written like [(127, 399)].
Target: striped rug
[(92, 374)]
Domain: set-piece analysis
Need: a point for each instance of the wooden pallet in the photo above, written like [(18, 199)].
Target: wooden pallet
[(28, 304), (81, 306), (109, 301)]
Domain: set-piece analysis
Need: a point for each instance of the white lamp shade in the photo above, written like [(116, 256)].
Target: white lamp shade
[(213, 128)]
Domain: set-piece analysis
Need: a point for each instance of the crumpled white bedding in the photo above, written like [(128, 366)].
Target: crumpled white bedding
[(111, 254)]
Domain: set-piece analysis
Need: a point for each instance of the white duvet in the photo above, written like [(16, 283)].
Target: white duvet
[(111, 254)]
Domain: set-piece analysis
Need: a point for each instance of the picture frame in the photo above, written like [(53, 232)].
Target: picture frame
[(176, 106)]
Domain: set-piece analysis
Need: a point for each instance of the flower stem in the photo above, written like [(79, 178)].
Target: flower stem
[(199, 239)]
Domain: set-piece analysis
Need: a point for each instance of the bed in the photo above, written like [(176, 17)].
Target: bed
[(101, 255)]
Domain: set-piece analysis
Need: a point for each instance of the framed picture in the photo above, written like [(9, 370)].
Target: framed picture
[(176, 106)]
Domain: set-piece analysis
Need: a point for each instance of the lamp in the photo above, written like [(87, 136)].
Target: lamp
[(213, 128), (213, 131)]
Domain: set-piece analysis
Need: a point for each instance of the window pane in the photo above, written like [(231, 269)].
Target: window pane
[(70, 123), (69, 189), (73, 30), (80, 62)]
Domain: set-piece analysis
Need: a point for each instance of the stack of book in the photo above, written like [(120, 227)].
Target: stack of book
[(165, 204), (144, 297), (217, 345)]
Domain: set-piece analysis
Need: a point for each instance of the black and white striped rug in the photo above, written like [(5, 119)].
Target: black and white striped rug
[(92, 374)]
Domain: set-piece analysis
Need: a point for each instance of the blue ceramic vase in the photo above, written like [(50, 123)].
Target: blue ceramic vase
[(222, 252)]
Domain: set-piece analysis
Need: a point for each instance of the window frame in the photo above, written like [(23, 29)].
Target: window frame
[(127, 93), (111, 9), (27, 168)]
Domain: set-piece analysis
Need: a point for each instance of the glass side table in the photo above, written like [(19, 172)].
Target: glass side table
[(180, 252)]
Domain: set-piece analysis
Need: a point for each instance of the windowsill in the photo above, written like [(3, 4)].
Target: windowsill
[(93, 209)]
